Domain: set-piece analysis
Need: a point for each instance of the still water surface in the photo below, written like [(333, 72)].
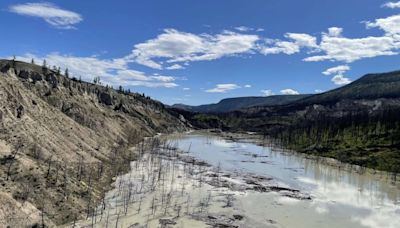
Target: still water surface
[(340, 198)]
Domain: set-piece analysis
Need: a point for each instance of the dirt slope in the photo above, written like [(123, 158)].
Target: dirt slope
[(62, 140)]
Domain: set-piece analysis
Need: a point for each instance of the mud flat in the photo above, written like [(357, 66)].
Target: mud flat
[(167, 187)]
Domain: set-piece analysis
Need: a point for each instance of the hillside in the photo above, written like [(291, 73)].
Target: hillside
[(62, 141), (358, 123), (370, 86), (237, 103)]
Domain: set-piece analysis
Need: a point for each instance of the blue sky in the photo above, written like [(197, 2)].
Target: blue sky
[(198, 52)]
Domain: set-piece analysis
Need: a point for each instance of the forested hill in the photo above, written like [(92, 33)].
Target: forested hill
[(237, 103), (358, 123), (370, 86)]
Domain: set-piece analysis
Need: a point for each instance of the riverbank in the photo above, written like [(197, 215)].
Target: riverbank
[(230, 181), (261, 140), (167, 186)]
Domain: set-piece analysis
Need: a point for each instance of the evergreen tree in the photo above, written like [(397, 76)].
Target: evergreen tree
[(96, 80), (44, 67), (66, 73)]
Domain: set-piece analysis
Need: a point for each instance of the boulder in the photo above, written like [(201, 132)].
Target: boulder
[(105, 98), (24, 74), (36, 77)]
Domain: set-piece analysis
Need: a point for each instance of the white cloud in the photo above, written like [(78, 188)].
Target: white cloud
[(349, 50), (267, 92), (175, 67), (289, 92), (186, 89), (335, 47), (51, 13), (163, 78), (247, 86), (113, 72), (302, 39), (340, 80), (297, 41), (319, 91), (279, 47), (391, 25), (336, 70), (244, 28), (335, 31), (392, 5), (223, 88), (174, 46)]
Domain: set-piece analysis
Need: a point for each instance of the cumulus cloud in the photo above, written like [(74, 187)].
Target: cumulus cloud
[(173, 46), (391, 25), (267, 92), (335, 31), (175, 67), (338, 72), (297, 41), (318, 91), (392, 5), (223, 88), (348, 50), (336, 47), (247, 86), (186, 89), (289, 92), (340, 80), (113, 72), (52, 14)]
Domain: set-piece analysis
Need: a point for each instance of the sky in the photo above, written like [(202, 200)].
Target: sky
[(199, 52)]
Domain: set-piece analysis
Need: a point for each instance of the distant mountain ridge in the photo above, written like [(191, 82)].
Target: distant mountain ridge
[(368, 87), (237, 103)]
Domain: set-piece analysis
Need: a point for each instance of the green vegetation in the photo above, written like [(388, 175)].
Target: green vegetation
[(358, 123), (370, 141)]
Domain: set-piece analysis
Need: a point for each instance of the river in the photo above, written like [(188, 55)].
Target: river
[(340, 198), (233, 181)]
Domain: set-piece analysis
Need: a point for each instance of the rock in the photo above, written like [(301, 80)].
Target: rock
[(165, 222), (20, 111), (105, 98), (5, 68), (24, 74), (271, 221), (238, 217), (36, 77)]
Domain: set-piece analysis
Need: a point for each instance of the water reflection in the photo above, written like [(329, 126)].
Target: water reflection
[(364, 199)]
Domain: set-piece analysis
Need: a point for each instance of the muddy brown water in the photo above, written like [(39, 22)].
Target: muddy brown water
[(340, 198)]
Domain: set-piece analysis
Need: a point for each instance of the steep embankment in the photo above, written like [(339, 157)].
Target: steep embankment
[(61, 141)]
